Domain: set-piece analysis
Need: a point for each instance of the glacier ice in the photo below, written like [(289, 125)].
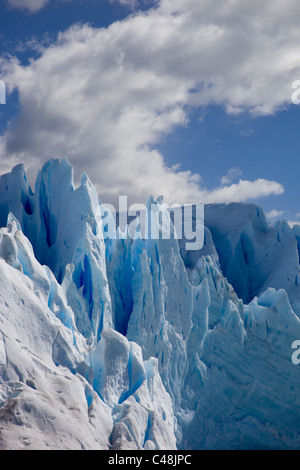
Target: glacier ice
[(143, 344), (253, 253), (52, 392)]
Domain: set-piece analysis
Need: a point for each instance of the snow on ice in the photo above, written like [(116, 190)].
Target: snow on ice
[(143, 344)]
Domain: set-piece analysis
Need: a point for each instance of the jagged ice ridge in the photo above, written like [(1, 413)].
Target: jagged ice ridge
[(140, 344)]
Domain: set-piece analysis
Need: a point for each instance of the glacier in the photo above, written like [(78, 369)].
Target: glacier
[(132, 344)]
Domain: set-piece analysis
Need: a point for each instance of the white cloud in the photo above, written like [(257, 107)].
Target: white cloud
[(136, 4), (247, 133), (275, 214), (106, 97), (32, 6), (130, 3), (244, 191), (232, 175), (292, 223)]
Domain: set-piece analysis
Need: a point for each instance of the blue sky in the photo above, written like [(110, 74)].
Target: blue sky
[(182, 98), (261, 147)]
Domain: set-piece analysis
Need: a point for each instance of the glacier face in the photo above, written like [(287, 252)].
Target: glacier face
[(140, 344)]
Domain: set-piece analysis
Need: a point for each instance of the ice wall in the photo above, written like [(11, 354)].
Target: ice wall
[(155, 346)]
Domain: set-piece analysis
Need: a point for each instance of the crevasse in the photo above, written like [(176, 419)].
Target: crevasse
[(145, 344)]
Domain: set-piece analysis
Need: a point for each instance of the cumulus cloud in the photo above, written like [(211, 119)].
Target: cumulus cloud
[(292, 223), (231, 176), (244, 190), (275, 214), (136, 4), (106, 97), (32, 6), (130, 3)]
